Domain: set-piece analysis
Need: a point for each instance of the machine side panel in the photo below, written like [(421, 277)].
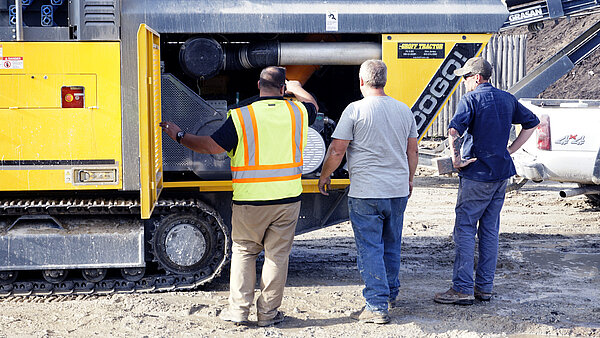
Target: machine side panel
[(311, 16), (61, 116), (94, 243)]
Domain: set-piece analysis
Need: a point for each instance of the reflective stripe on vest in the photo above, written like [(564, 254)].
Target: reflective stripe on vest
[(252, 170), (297, 120)]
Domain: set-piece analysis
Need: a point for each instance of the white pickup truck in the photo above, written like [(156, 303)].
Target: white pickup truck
[(565, 146)]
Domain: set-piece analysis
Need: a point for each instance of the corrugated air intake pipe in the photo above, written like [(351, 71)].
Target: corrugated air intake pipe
[(203, 58)]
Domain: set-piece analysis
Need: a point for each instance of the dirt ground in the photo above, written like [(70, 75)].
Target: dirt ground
[(547, 282)]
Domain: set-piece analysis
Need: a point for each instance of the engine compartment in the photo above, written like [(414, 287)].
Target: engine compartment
[(210, 84)]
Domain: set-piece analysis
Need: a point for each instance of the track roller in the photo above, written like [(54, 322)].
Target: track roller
[(8, 277), (93, 275), (55, 276), (133, 274)]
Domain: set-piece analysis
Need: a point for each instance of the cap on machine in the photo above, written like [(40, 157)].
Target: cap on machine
[(476, 65)]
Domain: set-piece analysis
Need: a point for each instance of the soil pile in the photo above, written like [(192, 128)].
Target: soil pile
[(581, 81)]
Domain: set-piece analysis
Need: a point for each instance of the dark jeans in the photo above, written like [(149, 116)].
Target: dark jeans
[(477, 202), (377, 225)]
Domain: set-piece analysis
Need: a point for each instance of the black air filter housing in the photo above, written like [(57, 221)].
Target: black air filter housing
[(201, 58)]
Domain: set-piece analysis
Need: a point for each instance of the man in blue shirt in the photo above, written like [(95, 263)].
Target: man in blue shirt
[(485, 116)]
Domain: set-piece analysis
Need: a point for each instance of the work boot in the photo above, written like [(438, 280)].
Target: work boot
[(275, 320), (454, 297), (366, 316), (482, 296), (228, 316)]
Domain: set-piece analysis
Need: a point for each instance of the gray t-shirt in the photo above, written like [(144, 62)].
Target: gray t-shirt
[(378, 128)]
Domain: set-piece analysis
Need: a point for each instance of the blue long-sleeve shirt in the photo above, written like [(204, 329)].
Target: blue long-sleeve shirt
[(486, 115)]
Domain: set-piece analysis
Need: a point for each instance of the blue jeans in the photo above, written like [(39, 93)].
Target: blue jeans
[(377, 225), (477, 202)]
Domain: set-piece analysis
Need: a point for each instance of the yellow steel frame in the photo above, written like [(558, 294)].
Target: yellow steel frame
[(151, 178), (308, 185)]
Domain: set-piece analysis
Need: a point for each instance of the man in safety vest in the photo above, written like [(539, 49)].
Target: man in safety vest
[(265, 141)]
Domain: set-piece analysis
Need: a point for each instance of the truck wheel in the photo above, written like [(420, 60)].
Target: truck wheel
[(190, 243)]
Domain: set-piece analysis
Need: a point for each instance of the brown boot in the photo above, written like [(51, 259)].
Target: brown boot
[(482, 296), (454, 297)]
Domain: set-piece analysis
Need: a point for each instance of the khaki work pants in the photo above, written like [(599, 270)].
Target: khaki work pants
[(254, 228)]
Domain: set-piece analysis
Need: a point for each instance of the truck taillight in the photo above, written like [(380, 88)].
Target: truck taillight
[(544, 141)]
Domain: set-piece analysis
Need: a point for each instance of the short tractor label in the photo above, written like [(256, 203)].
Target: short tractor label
[(421, 50), (11, 62)]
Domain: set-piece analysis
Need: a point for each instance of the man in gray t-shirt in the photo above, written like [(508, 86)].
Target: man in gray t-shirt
[(378, 128), (378, 134)]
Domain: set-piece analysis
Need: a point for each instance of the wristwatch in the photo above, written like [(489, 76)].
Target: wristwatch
[(179, 136)]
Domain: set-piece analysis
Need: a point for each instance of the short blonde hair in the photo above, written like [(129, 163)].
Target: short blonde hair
[(374, 73)]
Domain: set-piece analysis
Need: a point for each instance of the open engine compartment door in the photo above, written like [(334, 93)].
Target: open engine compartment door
[(151, 169)]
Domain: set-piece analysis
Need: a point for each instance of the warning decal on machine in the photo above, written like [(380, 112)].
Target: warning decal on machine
[(11, 62), (421, 50), (331, 21)]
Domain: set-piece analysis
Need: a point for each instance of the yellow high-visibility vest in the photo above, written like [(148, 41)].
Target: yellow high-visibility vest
[(267, 162)]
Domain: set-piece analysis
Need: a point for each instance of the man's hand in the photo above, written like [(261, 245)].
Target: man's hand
[(171, 129), (333, 158), (459, 163), (410, 188), (294, 87), (324, 181)]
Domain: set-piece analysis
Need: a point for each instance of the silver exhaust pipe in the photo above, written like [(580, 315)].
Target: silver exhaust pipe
[(19, 20), (203, 58), (327, 53), (579, 191)]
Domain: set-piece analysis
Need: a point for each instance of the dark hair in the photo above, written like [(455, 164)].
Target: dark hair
[(272, 77)]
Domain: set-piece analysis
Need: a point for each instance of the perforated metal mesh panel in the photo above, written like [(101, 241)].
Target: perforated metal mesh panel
[(197, 116), (193, 114)]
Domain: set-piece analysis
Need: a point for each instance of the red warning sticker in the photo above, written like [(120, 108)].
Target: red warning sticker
[(11, 62)]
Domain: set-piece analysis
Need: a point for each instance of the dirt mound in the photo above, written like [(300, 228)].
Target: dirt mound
[(579, 83)]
